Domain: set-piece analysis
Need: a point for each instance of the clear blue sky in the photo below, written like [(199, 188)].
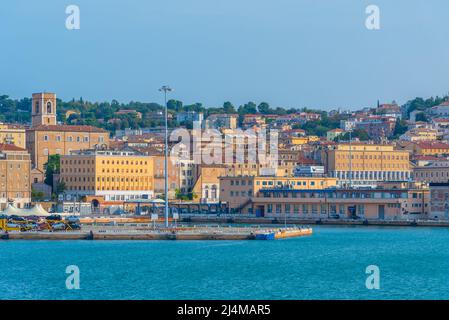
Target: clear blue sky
[(293, 53)]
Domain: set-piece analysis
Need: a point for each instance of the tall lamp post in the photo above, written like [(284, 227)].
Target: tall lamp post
[(166, 89)]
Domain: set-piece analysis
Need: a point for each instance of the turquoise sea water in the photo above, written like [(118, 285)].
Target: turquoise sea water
[(413, 262)]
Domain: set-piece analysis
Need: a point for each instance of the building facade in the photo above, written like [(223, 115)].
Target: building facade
[(113, 175), (13, 134), (15, 184), (439, 200), (365, 165), (46, 137), (238, 191), (159, 175)]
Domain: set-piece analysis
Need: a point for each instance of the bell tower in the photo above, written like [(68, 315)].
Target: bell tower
[(43, 109)]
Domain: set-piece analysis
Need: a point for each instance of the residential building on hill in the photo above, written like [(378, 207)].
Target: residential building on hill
[(13, 134)]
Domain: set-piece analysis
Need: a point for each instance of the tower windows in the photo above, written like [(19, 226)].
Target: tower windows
[(49, 107)]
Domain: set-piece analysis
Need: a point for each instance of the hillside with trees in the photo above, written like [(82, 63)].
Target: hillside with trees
[(103, 114)]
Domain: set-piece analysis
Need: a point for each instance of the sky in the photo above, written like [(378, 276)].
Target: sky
[(289, 53)]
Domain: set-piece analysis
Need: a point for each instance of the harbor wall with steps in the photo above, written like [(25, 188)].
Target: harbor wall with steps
[(309, 221)]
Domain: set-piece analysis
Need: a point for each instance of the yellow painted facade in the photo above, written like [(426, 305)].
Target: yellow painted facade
[(302, 140), (115, 175), (11, 134), (366, 164)]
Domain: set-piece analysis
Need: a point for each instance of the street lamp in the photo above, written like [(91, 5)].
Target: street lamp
[(166, 89)]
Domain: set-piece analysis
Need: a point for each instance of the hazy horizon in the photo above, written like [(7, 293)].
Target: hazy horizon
[(288, 53)]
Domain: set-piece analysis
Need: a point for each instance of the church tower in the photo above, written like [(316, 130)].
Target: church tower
[(43, 109)]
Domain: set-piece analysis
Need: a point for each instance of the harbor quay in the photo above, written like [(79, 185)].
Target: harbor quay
[(145, 231), (251, 220)]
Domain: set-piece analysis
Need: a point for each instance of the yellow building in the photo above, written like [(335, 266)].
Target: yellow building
[(420, 134), (111, 175), (426, 148), (359, 164), (12, 134), (238, 190), (15, 166), (293, 140)]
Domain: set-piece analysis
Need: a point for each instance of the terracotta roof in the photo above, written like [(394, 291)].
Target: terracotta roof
[(444, 104), (67, 128), (440, 120), (425, 157), (10, 147), (432, 145)]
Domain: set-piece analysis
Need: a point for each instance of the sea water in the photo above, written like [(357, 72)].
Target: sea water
[(413, 263)]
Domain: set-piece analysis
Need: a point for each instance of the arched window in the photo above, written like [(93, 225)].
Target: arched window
[(49, 107), (36, 105)]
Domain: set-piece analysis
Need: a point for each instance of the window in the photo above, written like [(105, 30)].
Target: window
[(45, 138), (49, 107), (278, 208)]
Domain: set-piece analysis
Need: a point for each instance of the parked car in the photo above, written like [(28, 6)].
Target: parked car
[(54, 217), (72, 219), (58, 226), (74, 226)]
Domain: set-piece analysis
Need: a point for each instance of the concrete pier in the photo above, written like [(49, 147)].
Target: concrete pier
[(189, 233)]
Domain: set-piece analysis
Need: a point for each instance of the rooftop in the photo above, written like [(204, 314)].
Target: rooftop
[(10, 147), (67, 128)]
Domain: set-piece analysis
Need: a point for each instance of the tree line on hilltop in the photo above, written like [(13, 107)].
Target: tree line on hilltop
[(102, 114)]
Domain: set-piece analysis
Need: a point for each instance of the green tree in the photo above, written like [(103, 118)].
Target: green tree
[(421, 117), (400, 128), (264, 108), (37, 195), (60, 187), (361, 134), (228, 107), (52, 167)]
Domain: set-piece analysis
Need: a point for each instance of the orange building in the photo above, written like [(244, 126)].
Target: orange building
[(46, 137), (15, 181)]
